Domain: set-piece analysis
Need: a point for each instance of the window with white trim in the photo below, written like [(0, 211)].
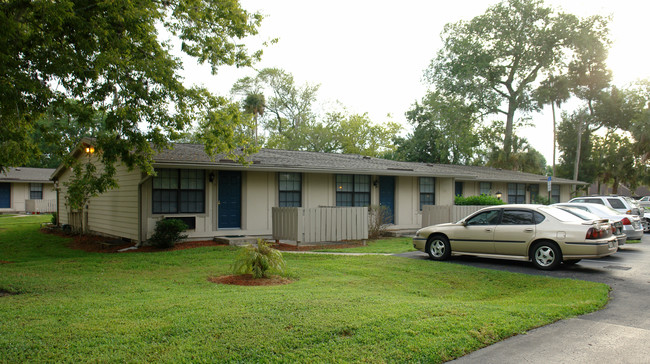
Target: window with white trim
[(485, 188), (35, 191), (352, 190), (289, 189), (178, 191), (516, 193), (427, 191)]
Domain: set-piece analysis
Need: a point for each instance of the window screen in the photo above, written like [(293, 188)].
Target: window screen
[(427, 191), (178, 191), (289, 189)]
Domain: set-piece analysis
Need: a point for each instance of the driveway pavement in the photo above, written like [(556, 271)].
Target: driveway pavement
[(620, 333)]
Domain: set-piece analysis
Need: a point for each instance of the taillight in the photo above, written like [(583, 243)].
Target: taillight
[(626, 221), (597, 233), (613, 229)]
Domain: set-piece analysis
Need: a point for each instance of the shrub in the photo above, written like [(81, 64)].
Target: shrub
[(168, 233), (378, 218), (477, 200), (259, 260), (542, 200), (53, 218)]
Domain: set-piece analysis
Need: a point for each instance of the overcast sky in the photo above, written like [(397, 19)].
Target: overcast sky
[(370, 55)]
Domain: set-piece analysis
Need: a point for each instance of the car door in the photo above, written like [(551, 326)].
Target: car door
[(476, 234), (514, 233)]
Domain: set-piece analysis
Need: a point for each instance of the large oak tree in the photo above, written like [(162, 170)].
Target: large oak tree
[(496, 60), (109, 59)]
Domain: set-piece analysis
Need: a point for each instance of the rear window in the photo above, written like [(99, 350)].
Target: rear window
[(616, 203), (592, 200), (560, 214)]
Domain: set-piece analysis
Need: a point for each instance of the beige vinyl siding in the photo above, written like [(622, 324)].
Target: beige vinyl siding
[(115, 212), (63, 209)]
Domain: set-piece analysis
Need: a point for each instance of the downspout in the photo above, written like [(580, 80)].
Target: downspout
[(140, 222)]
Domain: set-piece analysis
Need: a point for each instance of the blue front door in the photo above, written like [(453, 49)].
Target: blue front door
[(229, 200), (5, 195), (387, 196)]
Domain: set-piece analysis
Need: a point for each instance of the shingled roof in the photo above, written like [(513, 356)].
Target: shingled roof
[(27, 175), (313, 162)]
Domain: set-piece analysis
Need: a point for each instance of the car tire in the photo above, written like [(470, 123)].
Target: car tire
[(438, 247), (546, 255), (571, 262)]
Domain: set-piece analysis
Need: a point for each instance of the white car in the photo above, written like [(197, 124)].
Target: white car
[(631, 223), (621, 204), (617, 226), (545, 235)]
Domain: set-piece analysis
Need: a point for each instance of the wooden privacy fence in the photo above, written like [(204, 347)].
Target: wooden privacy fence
[(435, 214), (312, 225), (40, 206)]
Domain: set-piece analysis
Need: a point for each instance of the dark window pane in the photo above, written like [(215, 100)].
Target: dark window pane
[(616, 203), (517, 217)]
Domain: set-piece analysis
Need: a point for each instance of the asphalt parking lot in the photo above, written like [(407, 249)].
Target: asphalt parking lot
[(620, 333)]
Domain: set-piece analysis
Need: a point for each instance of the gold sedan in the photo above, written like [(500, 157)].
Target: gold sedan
[(545, 235)]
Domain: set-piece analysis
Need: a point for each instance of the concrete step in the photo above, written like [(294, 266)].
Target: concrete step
[(239, 240)]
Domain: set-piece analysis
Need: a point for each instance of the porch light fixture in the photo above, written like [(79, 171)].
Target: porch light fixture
[(211, 177), (90, 150), (499, 195)]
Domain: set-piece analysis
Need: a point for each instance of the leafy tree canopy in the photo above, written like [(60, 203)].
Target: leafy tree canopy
[(496, 60), (444, 131), (109, 59)]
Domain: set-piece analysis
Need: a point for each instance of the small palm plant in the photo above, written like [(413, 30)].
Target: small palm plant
[(259, 261)]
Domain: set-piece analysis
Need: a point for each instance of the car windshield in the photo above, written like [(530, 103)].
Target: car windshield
[(585, 215), (560, 214)]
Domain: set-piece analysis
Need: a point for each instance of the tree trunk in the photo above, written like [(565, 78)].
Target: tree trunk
[(507, 142), (576, 165)]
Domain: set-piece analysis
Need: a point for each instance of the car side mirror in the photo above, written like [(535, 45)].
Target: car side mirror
[(464, 223)]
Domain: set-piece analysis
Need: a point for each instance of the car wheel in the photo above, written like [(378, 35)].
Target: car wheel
[(571, 262), (438, 247), (546, 255)]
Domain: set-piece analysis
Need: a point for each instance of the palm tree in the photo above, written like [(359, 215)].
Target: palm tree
[(254, 104)]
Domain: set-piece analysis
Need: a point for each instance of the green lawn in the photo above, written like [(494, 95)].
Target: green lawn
[(75, 306), (386, 246)]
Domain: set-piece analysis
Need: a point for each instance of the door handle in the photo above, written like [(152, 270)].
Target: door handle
[(488, 230), (528, 230)]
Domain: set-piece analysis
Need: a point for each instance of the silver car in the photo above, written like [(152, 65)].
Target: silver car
[(631, 223), (617, 226)]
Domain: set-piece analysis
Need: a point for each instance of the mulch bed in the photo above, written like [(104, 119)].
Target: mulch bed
[(103, 244), (248, 280)]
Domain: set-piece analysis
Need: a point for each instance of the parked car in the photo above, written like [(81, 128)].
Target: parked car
[(617, 226), (632, 229), (631, 223), (545, 235), (618, 203), (645, 202)]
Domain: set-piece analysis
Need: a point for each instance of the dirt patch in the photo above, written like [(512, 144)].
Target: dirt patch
[(4, 293), (248, 280), (5, 262)]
